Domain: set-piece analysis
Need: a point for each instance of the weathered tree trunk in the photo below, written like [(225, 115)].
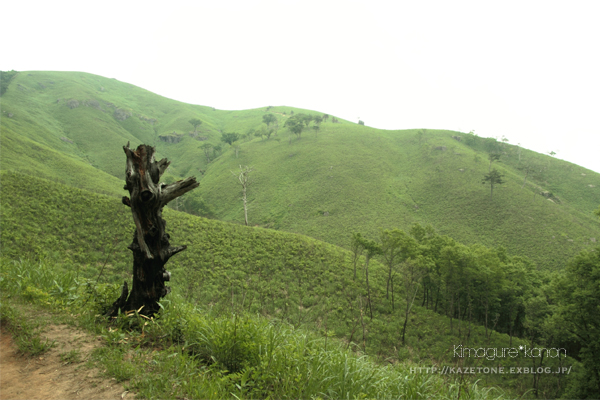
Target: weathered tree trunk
[(150, 245), (525, 180), (245, 206), (244, 178)]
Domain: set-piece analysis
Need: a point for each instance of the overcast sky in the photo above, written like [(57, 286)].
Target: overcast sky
[(526, 70)]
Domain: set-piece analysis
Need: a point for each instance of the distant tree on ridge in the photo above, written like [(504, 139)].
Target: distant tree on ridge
[(494, 178), (195, 123)]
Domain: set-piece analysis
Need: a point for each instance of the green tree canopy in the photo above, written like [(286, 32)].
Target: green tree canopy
[(229, 138), (306, 118), (493, 157), (268, 119), (493, 178), (5, 78), (578, 297), (295, 124), (207, 148), (195, 123)]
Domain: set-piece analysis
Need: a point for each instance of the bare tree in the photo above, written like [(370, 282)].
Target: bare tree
[(244, 178), (150, 245), (412, 281)]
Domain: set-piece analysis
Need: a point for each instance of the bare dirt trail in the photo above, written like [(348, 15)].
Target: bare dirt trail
[(54, 375)]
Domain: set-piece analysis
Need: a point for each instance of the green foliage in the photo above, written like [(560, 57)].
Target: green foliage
[(70, 357), (231, 269), (350, 178), (401, 178), (493, 178), (578, 297), (195, 123), (188, 353), (25, 334), (268, 119), (316, 128), (5, 78), (111, 359), (208, 149), (306, 118), (295, 124), (232, 343), (229, 138), (493, 157)]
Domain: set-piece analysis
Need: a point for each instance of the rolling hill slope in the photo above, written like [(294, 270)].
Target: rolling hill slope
[(229, 268), (70, 127), (354, 178)]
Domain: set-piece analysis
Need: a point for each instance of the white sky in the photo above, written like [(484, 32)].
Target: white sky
[(528, 70)]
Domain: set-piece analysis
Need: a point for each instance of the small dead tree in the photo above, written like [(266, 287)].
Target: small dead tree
[(413, 275), (244, 178), (150, 245)]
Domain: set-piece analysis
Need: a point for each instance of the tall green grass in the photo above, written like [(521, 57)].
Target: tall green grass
[(227, 269), (188, 352)]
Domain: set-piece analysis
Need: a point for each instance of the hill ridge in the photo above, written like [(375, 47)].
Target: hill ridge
[(326, 183)]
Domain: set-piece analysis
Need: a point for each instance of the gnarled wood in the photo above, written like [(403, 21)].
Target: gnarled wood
[(150, 245)]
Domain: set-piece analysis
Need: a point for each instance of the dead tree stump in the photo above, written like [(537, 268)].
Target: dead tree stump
[(150, 245)]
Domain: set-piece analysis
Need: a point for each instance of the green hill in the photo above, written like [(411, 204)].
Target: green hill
[(69, 127), (232, 268), (353, 178)]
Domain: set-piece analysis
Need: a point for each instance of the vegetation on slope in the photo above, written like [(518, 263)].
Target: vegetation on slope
[(322, 183), (234, 269), (326, 183), (187, 352), (352, 177)]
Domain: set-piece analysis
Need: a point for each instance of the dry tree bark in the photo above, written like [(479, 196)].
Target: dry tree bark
[(150, 245)]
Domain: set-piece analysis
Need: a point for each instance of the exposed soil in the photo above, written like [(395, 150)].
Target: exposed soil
[(51, 376)]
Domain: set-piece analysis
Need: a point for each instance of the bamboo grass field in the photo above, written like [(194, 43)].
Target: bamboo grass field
[(273, 309)]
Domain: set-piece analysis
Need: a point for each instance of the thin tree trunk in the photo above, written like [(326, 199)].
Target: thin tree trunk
[(387, 292), (362, 322), (408, 308), (245, 207), (393, 305), (368, 288), (525, 180), (510, 329), (486, 319), (244, 179)]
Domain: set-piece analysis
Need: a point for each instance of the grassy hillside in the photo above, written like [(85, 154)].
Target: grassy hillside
[(70, 127), (91, 117), (231, 268), (187, 353), (354, 178)]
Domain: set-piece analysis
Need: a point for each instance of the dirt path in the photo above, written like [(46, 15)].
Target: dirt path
[(60, 373)]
